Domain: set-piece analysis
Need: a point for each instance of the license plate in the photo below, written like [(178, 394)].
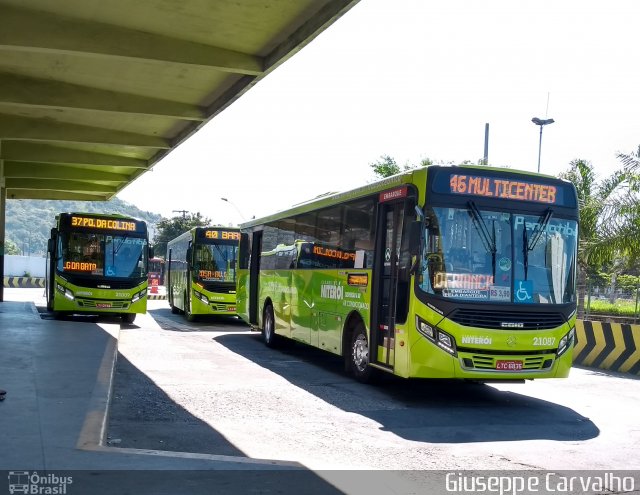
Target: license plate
[(509, 365), (103, 305)]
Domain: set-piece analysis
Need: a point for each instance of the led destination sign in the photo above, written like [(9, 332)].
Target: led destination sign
[(209, 274), (333, 253), (78, 266), (102, 223), (494, 187), (225, 235)]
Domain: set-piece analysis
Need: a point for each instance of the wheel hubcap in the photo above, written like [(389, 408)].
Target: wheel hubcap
[(267, 327), (360, 353)]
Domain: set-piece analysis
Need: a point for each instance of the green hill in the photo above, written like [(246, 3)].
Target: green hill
[(29, 222)]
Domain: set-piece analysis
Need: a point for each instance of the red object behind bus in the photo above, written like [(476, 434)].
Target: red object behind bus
[(156, 272)]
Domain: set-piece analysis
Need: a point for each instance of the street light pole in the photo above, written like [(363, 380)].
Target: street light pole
[(236, 208), (541, 123)]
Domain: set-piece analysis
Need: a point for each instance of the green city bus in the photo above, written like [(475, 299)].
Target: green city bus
[(201, 272), (97, 264), (441, 272)]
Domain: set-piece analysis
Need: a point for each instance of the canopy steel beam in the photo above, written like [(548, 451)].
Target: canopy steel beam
[(26, 91), (20, 151), (16, 170), (47, 130), (38, 31)]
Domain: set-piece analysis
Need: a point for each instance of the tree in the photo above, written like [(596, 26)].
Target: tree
[(386, 166), (605, 223), (10, 247), (630, 161), (170, 228)]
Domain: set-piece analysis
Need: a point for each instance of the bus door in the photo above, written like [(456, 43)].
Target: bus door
[(390, 290), (50, 268), (254, 275)]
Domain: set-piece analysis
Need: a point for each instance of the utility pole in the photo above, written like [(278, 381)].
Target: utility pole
[(184, 213)]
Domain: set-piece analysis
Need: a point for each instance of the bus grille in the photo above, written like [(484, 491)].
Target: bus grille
[(223, 307), (480, 362), (90, 303), (509, 320)]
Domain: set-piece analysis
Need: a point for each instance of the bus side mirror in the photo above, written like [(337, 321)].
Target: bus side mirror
[(189, 252), (49, 245), (151, 253), (415, 235)]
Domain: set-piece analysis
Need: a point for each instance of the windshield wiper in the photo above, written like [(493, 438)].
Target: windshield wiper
[(542, 227), (488, 239), (530, 244)]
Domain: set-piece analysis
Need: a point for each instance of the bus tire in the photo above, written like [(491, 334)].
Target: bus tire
[(359, 354), (269, 327), (128, 318), (187, 307), (174, 310)]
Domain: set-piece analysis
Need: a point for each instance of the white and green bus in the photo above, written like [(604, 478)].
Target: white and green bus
[(201, 272), (97, 264), (441, 272)]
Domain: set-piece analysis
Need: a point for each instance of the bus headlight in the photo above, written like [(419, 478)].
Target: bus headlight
[(566, 341), (65, 292), (139, 295), (201, 296), (442, 339), (425, 329), (446, 342)]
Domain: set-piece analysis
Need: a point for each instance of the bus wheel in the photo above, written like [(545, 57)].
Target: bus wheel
[(187, 308), (128, 318), (269, 328), (174, 310), (187, 312), (360, 354)]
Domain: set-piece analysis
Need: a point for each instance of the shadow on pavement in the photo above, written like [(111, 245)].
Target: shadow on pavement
[(143, 416), (436, 411), (210, 323)]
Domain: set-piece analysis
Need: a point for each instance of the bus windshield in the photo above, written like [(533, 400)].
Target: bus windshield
[(118, 256), (474, 254), (215, 262)]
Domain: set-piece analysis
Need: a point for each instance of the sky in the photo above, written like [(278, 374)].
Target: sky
[(415, 79)]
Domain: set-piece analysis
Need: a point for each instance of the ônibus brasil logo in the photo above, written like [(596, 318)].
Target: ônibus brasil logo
[(34, 483)]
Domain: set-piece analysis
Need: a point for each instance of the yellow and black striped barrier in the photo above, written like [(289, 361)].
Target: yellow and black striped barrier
[(609, 346), (156, 296), (24, 282)]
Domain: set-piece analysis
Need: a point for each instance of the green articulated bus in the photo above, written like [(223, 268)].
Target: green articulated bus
[(97, 264), (201, 272), (441, 272)]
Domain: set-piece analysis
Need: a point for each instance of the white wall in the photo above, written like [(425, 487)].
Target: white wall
[(17, 266)]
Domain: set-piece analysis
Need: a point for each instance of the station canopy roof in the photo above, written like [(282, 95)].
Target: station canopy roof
[(93, 93)]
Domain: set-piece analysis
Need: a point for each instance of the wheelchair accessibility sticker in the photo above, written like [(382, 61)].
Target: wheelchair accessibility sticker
[(524, 291)]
